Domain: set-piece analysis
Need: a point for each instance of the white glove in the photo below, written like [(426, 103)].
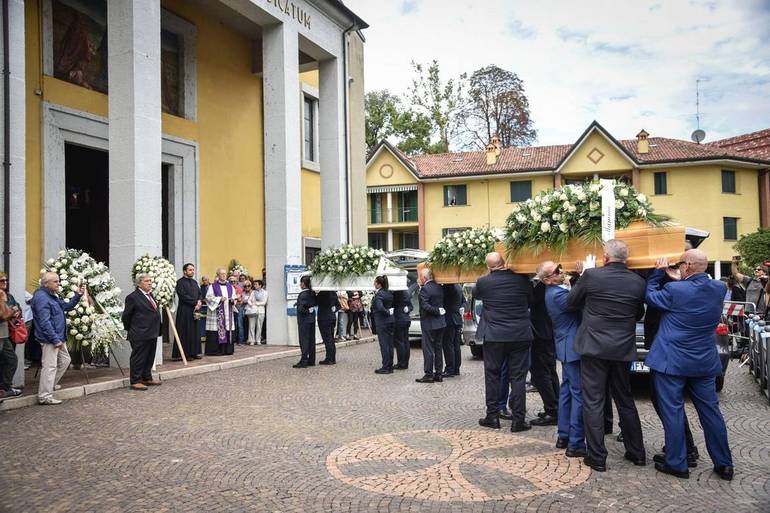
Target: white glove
[(390, 311), (589, 262), (313, 309), (406, 309), (334, 309), (441, 311)]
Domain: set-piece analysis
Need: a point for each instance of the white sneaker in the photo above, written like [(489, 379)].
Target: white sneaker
[(49, 400), (57, 387)]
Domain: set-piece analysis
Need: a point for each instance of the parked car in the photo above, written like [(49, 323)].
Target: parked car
[(638, 368)]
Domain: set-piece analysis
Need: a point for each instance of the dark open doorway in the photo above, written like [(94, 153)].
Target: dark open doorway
[(166, 201), (87, 204)]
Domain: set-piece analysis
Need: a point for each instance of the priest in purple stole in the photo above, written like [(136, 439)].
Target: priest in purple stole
[(220, 322)]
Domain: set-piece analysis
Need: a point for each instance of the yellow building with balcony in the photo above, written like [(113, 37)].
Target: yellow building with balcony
[(722, 187)]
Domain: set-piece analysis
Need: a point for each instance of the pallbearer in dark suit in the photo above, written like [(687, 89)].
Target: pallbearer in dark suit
[(141, 318), (684, 357), (543, 356), (453, 300), (432, 324), (402, 306), (328, 306), (611, 299), (306, 308), (382, 311), (188, 292), (506, 331)]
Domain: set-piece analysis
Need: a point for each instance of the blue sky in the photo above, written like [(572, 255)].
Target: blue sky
[(629, 65)]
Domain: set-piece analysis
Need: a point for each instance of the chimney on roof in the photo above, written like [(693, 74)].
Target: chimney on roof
[(493, 151), (642, 144)]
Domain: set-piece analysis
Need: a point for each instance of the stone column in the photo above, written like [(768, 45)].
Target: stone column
[(133, 28), (17, 272), (331, 131), (134, 133), (389, 244), (283, 219)]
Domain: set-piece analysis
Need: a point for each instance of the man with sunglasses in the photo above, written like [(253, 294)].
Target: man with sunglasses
[(684, 357), (754, 286), (565, 325), (611, 299)]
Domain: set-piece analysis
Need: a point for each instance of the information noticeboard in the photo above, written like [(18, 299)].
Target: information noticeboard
[(292, 274)]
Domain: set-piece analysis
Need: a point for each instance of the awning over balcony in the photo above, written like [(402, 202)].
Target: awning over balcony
[(391, 188)]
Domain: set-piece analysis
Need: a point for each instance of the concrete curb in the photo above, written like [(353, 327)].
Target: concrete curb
[(93, 388)]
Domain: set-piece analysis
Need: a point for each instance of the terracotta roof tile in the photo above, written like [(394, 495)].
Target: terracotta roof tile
[(754, 145), (511, 160)]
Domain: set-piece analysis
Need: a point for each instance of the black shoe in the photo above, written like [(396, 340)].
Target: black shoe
[(448, 375), (324, 362), (425, 379), (619, 438), (437, 378), (661, 458), (607, 429), (724, 471), (490, 421), (596, 465), (639, 462), (579, 452), (300, 365), (311, 364), (562, 443), (662, 467), (197, 357), (383, 371), (541, 414), (506, 414), (517, 427), (401, 367), (547, 420)]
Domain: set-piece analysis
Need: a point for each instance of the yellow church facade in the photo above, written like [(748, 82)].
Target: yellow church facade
[(199, 131), (414, 201)]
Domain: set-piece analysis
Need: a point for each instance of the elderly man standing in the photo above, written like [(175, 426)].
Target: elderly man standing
[(612, 300), (507, 335), (565, 324), (684, 357), (432, 324), (51, 333), (141, 318)]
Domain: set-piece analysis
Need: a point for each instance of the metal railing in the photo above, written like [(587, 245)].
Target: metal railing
[(397, 214)]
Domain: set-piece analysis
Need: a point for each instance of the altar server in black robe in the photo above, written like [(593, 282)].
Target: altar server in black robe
[(188, 294)]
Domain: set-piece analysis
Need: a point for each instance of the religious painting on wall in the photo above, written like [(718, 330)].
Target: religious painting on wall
[(80, 42), (170, 77)]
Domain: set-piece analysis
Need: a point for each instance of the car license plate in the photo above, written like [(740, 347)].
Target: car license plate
[(639, 367)]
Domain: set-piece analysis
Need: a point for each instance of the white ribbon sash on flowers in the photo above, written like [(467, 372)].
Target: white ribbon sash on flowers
[(608, 209)]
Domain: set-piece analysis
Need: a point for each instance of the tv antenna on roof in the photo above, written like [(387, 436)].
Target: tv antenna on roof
[(698, 135)]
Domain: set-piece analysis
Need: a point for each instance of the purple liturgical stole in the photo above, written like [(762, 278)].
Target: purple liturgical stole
[(223, 335)]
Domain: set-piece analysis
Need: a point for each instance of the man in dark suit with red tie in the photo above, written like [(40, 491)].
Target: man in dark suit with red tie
[(141, 318)]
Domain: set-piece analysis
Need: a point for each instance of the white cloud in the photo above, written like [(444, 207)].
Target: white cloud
[(629, 65)]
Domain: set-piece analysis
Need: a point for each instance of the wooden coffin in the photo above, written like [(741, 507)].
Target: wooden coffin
[(646, 244), (447, 275)]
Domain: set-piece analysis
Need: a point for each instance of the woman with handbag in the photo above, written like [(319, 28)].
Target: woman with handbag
[(9, 311)]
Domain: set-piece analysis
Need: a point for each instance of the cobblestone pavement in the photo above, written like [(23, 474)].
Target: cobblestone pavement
[(268, 438)]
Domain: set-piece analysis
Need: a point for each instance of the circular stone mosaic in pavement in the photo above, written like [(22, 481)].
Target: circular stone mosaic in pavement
[(434, 465)]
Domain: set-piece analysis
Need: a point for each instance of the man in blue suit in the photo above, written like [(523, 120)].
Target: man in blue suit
[(684, 357), (565, 324)]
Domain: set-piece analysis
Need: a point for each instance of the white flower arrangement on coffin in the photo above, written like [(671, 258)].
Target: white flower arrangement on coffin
[(553, 217), (163, 277), (350, 267), (95, 322), (465, 250), (234, 266)]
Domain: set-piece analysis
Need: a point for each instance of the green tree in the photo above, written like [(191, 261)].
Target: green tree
[(387, 118), (442, 101), (754, 248), (498, 107)]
